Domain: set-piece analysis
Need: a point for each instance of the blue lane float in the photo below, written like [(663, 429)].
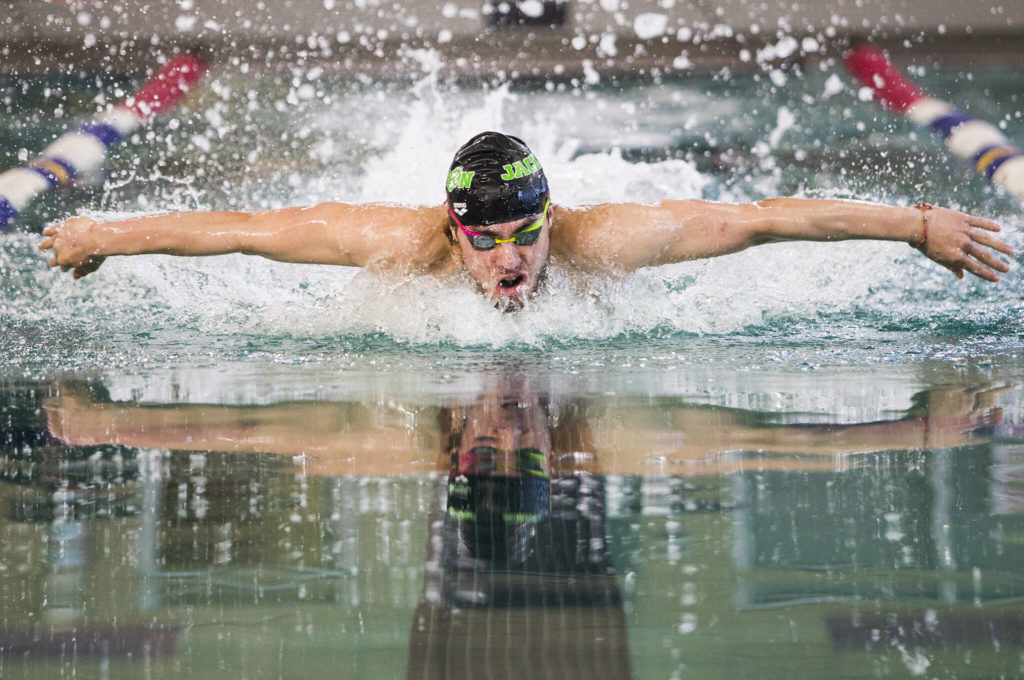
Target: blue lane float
[(981, 143), (82, 151)]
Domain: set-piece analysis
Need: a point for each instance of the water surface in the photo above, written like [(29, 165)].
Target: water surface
[(799, 461)]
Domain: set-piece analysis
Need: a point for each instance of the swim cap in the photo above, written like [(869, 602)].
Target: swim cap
[(495, 516), (495, 178)]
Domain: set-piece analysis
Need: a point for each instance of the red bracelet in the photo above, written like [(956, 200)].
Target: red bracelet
[(924, 208)]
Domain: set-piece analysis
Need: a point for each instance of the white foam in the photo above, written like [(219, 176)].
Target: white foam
[(238, 294)]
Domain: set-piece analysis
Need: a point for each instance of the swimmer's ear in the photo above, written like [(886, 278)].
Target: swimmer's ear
[(450, 231)]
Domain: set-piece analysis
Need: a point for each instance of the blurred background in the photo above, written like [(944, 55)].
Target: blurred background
[(512, 39)]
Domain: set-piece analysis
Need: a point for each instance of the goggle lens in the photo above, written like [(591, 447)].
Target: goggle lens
[(481, 460), (527, 236)]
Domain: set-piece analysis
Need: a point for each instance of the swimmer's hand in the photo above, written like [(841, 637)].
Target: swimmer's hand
[(949, 415), (962, 242), (74, 246), (75, 418)]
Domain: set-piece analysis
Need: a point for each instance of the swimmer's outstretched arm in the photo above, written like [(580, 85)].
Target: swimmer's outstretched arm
[(337, 437), (630, 236), (329, 233)]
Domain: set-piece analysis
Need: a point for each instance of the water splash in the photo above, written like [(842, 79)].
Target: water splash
[(394, 144)]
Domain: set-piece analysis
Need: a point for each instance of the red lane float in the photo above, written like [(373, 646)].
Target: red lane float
[(992, 154), (82, 151)]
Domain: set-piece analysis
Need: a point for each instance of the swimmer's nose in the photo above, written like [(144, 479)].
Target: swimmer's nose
[(507, 256)]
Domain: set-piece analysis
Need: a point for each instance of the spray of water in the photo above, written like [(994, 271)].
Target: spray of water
[(395, 146)]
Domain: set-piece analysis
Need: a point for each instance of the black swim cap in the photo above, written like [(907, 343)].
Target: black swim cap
[(495, 178), (495, 515)]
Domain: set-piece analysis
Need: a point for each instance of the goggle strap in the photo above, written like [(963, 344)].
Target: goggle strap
[(536, 225), (461, 226)]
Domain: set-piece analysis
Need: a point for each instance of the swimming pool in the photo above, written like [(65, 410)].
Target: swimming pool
[(802, 460)]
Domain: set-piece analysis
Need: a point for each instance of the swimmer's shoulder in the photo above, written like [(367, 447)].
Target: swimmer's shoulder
[(585, 236), (401, 238)]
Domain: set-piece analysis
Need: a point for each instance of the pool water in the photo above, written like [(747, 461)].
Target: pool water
[(803, 460)]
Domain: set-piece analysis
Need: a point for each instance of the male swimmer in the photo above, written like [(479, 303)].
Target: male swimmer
[(499, 224)]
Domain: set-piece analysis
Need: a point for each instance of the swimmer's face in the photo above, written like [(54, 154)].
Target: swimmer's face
[(498, 426), (508, 274)]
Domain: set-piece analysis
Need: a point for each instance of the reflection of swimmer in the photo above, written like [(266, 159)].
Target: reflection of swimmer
[(514, 460), (499, 225), (629, 438), (519, 580)]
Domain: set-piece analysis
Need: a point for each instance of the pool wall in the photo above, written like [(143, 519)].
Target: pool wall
[(538, 37)]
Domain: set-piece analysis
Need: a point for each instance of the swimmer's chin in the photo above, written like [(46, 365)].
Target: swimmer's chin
[(512, 303), (518, 300), (507, 303)]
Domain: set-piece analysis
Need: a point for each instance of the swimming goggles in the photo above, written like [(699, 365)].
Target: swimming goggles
[(481, 460), (526, 236)]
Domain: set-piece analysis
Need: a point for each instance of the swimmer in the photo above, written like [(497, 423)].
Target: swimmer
[(499, 225)]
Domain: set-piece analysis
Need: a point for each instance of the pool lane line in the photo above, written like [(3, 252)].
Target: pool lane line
[(83, 150), (981, 143)]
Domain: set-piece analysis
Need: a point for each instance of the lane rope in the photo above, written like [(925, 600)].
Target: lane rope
[(83, 150), (981, 143)]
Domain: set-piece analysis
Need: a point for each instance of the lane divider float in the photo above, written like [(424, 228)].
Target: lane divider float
[(988, 149), (83, 150)]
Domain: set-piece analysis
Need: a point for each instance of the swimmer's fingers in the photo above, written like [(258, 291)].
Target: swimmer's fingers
[(50, 239), (50, 233), (986, 257), (978, 269), (961, 243), (992, 242), (72, 246), (985, 399), (982, 223), (88, 268)]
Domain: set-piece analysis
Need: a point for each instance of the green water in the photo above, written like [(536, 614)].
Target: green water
[(857, 523), (802, 461)]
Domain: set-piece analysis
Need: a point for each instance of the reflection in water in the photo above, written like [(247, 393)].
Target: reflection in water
[(520, 531), (65, 498), (519, 582)]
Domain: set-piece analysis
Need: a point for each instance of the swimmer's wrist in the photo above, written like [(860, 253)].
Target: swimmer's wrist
[(110, 238), (919, 225), (95, 237)]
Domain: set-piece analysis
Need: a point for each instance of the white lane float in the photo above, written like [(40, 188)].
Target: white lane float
[(988, 149), (82, 151)]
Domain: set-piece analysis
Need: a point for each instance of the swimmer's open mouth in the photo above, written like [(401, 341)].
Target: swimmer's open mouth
[(510, 283)]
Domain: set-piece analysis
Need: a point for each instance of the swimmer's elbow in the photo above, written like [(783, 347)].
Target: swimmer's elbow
[(764, 226), (764, 237)]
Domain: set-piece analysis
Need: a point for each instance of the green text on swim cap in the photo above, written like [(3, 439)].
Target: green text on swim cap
[(527, 166), (459, 179)]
